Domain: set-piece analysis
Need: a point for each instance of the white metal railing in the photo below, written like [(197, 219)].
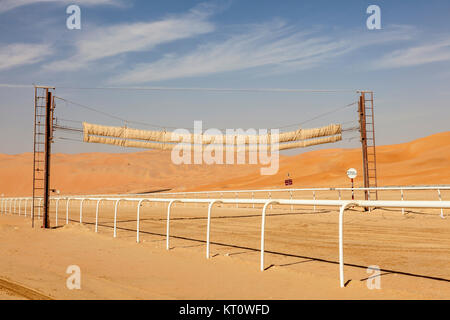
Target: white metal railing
[(290, 191), (342, 204), (338, 189)]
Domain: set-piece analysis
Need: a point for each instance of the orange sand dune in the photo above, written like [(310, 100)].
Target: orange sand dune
[(420, 162), (423, 161)]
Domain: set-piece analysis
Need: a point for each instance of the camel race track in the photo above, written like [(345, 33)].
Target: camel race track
[(410, 246), (224, 158)]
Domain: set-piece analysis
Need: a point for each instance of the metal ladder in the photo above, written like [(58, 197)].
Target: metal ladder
[(367, 128), (39, 151)]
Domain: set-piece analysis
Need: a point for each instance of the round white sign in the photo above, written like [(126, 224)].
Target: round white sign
[(352, 173)]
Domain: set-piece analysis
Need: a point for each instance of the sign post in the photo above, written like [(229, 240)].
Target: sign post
[(288, 181), (352, 173)]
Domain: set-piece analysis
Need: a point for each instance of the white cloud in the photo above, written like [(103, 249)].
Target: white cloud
[(18, 54), (6, 5), (414, 56), (123, 38), (272, 45)]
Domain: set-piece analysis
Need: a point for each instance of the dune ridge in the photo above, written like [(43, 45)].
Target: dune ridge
[(419, 162)]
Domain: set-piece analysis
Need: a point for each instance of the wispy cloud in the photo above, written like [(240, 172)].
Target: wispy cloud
[(18, 54), (274, 45), (124, 38), (6, 5), (418, 55)]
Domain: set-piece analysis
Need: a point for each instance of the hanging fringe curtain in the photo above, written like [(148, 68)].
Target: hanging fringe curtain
[(162, 140), (173, 137), (217, 147)]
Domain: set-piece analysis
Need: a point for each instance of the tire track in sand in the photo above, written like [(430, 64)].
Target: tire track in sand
[(20, 290)]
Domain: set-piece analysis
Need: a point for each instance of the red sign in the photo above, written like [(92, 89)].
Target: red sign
[(288, 182)]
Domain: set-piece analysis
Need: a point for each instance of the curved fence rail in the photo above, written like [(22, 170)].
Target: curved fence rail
[(341, 193), (8, 205)]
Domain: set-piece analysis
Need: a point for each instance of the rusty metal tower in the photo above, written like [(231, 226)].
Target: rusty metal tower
[(367, 130), (43, 136)]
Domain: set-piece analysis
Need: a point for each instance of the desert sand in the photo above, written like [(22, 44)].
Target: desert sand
[(420, 162), (412, 249), (301, 258)]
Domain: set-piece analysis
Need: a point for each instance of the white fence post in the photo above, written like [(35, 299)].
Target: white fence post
[(314, 197), (81, 210), (15, 200), (208, 228), (440, 199), (96, 215), (253, 198), (403, 209), (26, 202), (168, 223), (270, 198), (292, 206), (56, 212), (115, 217), (20, 202), (137, 219), (341, 242), (67, 210), (263, 226)]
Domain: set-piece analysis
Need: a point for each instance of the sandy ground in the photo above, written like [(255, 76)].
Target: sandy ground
[(413, 251), (420, 162)]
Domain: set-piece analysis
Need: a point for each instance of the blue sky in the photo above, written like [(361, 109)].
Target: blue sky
[(226, 44)]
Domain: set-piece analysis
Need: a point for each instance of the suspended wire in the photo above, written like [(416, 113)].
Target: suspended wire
[(352, 138), (350, 129), (64, 128), (67, 120), (281, 90), (170, 127), (150, 88), (351, 121), (320, 115), (69, 139), (114, 116), (90, 108), (8, 85)]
